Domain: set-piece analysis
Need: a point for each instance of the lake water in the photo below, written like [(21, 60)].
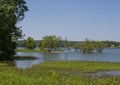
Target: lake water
[(108, 55)]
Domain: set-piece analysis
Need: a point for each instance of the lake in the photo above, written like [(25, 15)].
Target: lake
[(108, 55)]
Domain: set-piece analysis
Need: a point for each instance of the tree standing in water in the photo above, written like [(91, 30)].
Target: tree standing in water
[(50, 43)]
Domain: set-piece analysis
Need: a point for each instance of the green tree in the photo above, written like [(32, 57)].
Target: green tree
[(11, 12), (87, 46), (50, 43), (99, 46), (30, 43)]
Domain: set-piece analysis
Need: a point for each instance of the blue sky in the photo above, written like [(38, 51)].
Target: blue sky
[(73, 19)]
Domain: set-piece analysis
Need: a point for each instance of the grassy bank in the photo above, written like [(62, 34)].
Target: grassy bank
[(27, 50), (59, 73)]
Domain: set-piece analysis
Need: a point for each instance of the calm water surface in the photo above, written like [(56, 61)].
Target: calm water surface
[(108, 55)]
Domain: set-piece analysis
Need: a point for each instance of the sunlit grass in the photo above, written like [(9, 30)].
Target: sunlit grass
[(59, 73), (27, 50), (32, 50)]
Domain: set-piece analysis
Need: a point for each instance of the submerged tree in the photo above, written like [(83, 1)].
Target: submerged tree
[(50, 43), (99, 46), (87, 46), (11, 12)]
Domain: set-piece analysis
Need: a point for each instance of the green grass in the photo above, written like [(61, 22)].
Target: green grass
[(32, 50), (27, 50), (82, 66), (59, 73)]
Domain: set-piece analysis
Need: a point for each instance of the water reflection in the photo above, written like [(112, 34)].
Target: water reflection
[(106, 73), (52, 57), (25, 63), (109, 55)]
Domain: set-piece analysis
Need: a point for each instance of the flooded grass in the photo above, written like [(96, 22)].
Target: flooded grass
[(60, 73)]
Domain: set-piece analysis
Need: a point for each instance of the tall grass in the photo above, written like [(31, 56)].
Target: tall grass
[(59, 73)]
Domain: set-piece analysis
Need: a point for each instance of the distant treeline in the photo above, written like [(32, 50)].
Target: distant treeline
[(21, 43), (109, 44)]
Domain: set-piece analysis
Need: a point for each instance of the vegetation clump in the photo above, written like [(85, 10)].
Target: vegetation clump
[(89, 46), (50, 43), (30, 43)]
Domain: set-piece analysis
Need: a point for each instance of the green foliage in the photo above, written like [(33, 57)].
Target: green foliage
[(27, 50), (87, 46), (99, 46), (50, 43), (112, 44), (30, 43), (79, 66), (11, 12), (77, 46)]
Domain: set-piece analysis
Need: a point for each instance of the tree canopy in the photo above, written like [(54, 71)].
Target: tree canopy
[(30, 43), (50, 43), (11, 12), (89, 46)]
